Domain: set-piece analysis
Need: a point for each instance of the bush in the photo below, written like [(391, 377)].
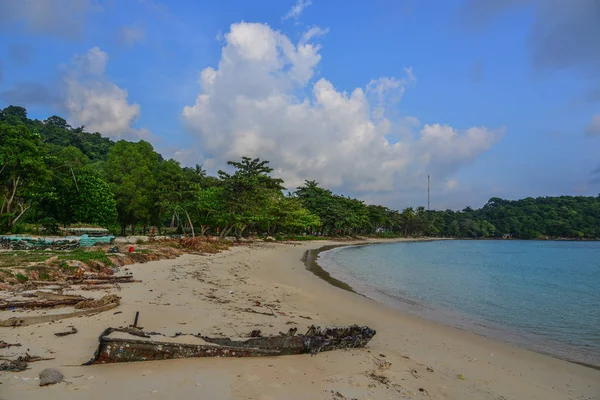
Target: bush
[(50, 226), (22, 278)]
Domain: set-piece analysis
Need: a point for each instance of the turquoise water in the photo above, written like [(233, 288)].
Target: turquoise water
[(540, 295)]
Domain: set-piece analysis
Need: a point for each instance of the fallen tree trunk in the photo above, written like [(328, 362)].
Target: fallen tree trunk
[(43, 300), (40, 319), (114, 350)]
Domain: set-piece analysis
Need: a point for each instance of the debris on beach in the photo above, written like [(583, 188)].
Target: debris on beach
[(50, 376), (4, 345), (105, 300), (66, 333), (41, 300), (315, 340), (13, 366), (108, 302)]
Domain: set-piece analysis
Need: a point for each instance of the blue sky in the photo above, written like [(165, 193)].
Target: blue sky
[(492, 98)]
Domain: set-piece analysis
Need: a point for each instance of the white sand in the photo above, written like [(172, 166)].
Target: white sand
[(173, 298)]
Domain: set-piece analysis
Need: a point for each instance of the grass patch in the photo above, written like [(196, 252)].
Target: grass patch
[(22, 278), (19, 257), (66, 267)]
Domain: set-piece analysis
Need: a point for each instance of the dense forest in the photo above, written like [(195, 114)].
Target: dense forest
[(53, 175)]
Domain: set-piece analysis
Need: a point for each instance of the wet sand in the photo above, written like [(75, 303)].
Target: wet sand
[(408, 358)]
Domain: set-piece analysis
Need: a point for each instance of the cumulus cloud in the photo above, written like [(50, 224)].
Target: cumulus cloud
[(63, 18), (131, 35), (297, 9), (92, 100), (262, 101), (593, 128)]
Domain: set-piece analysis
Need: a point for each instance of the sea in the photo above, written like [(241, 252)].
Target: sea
[(539, 295)]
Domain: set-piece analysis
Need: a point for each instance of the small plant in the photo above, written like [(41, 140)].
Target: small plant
[(22, 278), (44, 276)]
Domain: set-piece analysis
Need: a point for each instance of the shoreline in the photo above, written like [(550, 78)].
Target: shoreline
[(409, 357), (310, 260)]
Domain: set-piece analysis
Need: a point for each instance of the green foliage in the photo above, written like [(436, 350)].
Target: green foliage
[(23, 170), (94, 203), (131, 171), (86, 256), (50, 226), (22, 278)]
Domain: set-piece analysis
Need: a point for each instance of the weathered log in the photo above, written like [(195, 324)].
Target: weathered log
[(40, 319), (101, 280), (44, 300), (113, 350)]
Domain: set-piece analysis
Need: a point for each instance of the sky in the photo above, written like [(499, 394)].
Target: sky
[(491, 98)]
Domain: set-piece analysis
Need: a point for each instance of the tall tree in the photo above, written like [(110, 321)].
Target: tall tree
[(131, 171), (23, 170)]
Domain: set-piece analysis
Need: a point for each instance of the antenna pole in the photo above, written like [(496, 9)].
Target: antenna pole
[(428, 192)]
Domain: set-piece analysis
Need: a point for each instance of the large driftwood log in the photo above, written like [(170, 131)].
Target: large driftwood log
[(113, 350), (43, 300)]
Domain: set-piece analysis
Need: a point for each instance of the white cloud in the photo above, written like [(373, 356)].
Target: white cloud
[(297, 9), (131, 35), (262, 101), (313, 32), (91, 100), (63, 18), (593, 128)]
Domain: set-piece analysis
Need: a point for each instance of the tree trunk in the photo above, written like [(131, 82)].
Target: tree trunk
[(203, 229), (23, 210), (190, 222), (225, 231), (240, 232)]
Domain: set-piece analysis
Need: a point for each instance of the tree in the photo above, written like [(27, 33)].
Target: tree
[(130, 170), (23, 171), (176, 190), (95, 202), (247, 194)]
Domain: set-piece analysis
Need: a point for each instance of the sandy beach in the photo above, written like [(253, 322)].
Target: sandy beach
[(209, 293)]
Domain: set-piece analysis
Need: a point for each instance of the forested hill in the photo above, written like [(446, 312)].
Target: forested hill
[(52, 174)]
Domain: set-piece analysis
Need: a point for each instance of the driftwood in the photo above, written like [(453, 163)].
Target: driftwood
[(100, 279), (66, 333), (43, 300), (40, 319), (113, 350), (4, 345)]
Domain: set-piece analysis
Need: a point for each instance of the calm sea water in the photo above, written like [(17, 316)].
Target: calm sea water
[(540, 295)]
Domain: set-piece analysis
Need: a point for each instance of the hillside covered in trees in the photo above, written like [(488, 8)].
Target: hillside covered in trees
[(52, 174)]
